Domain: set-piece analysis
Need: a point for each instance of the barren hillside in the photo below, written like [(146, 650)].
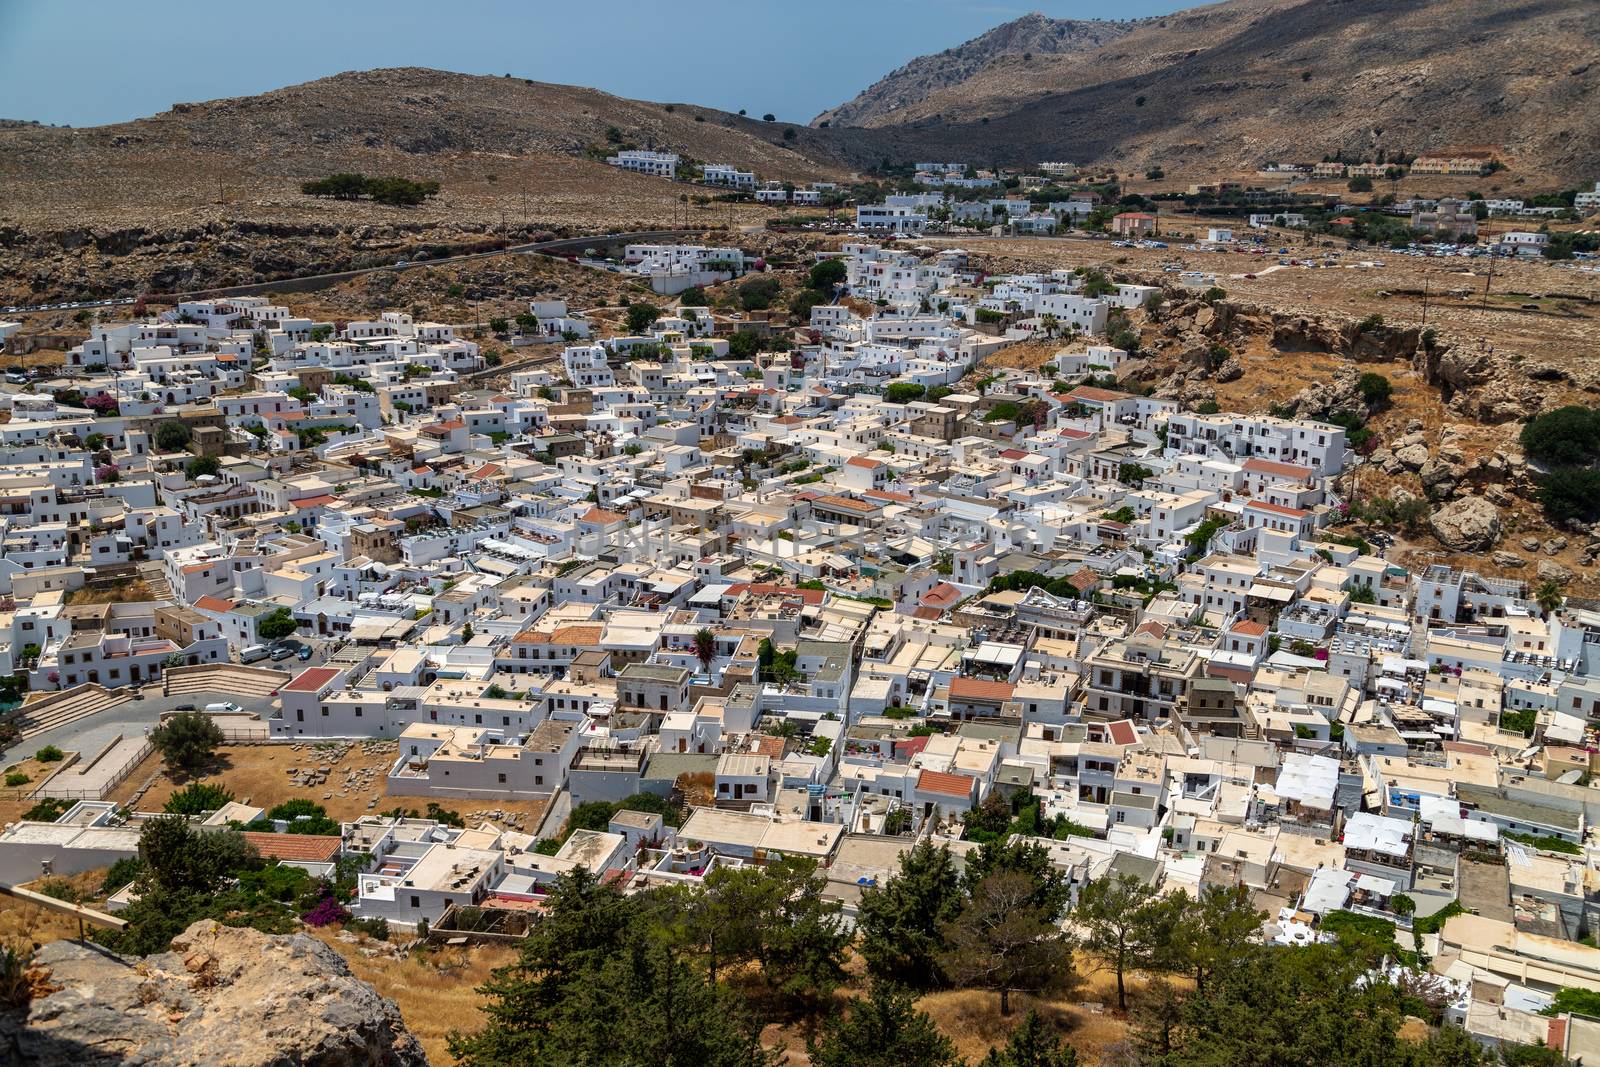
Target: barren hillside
[(899, 94), (209, 193), (1248, 81)]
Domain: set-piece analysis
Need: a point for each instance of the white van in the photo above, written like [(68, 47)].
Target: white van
[(226, 707), (251, 653)]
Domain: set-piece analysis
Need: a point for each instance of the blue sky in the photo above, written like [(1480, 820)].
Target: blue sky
[(90, 62)]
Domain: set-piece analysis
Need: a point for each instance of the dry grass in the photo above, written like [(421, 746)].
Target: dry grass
[(30, 924), (436, 991), (132, 590), (14, 800), (259, 775)]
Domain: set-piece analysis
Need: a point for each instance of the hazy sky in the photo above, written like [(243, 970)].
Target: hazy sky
[(90, 62)]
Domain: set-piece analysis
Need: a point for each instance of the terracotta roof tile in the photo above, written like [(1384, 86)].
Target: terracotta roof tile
[(952, 785)]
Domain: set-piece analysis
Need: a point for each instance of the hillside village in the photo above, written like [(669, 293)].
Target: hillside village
[(819, 586)]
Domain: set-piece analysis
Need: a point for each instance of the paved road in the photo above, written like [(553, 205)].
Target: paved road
[(91, 734)]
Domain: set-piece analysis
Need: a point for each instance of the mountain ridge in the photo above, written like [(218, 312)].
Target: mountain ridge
[(1237, 83), (914, 81)]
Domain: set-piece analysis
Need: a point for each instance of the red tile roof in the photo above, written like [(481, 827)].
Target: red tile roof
[(1122, 732), (305, 503), (602, 517), (910, 746), (1267, 466), (942, 595), (952, 785), (311, 680), (1249, 628), (1094, 395), (213, 603), (314, 848), (967, 688), (862, 461), (1277, 509)]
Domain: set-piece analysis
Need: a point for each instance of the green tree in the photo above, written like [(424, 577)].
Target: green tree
[(693, 297), (179, 856), (1311, 1005), (902, 922), (197, 798), (903, 392), (187, 740), (601, 980), (173, 436), (202, 465), (1004, 941), (1032, 1045), (1126, 924), (1548, 596), (883, 1030), (1213, 931), (1051, 887), (641, 316), (1134, 473), (705, 647), (277, 624), (826, 274)]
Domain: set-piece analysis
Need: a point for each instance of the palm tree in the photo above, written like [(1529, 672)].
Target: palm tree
[(1548, 596), (705, 647)]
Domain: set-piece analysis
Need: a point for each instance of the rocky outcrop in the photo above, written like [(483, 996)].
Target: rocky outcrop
[(1470, 524), (220, 996), (1479, 383)]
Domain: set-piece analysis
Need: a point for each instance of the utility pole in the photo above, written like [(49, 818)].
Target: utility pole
[(1488, 281), (1424, 298)]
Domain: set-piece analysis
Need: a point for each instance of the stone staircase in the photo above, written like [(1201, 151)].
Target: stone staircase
[(224, 680), (55, 710)]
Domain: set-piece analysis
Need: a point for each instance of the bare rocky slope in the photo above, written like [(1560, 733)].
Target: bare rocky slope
[(208, 194), (1248, 81), (1030, 35), (221, 996)]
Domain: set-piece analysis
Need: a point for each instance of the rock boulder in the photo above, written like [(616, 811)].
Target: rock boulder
[(1468, 524), (221, 996)]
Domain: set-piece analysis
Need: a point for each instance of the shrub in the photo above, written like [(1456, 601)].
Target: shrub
[(47, 810), (16, 988), (326, 912), (1571, 493), (1566, 437), (375, 928), (1374, 389), (120, 873), (197, 798), (49, 754), (758, 293), (396, 192), (16, 778)]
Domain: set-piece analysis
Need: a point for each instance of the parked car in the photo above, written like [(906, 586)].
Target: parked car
[(226, 707)]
